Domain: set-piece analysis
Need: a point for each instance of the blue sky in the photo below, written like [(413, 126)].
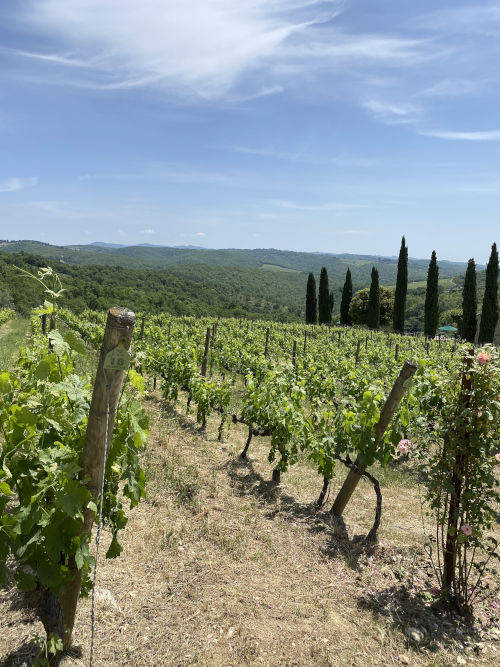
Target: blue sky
[(330, 126)]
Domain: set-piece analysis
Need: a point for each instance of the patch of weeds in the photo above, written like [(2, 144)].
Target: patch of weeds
[(164, 476), (351, 562), (402, 475), (170, 540)]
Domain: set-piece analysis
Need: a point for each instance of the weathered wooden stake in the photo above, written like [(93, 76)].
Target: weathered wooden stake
[(294, 353), (358, 346), (305, 341), (44, 323), (119, 330), (266, 351), (205, 354), (390, 406), (396, 352), (143, 322)]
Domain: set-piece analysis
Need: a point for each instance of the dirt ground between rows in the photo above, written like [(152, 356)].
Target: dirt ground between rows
[(222, 567)]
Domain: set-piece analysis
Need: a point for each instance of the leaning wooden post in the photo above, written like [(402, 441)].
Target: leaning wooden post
[(205, 354), (143, 322), (118, 332), (294, 353), (390, 406)]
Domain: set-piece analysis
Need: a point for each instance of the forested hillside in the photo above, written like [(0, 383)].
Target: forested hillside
[(255, 286)]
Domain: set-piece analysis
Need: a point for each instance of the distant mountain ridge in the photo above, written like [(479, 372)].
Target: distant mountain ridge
[(148, 256)]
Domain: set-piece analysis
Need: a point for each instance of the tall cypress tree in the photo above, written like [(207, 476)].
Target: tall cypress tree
[(373, 314), (324, 298), (398, 321), (469, 303), (431, 308), (311, 302), (346, 299), (489, 314)]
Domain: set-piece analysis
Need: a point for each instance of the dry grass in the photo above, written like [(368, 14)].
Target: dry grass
[(222, 567)]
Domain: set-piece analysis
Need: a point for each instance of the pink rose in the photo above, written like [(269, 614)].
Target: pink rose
[(404, 446), (483, 358), (466, 529)]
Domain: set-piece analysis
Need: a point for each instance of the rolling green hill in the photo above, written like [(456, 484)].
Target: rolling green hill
[(263, 283), (156, 257)]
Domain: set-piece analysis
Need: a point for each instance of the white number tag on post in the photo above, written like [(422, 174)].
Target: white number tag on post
[(117, 359)]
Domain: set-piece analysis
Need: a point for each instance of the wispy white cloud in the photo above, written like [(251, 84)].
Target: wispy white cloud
[(303, 156), (453, 88), (13, 184), (173, 174), (148, 231), (199, 234), (328, 206), (235, 51), (485, 135), (393, 113), (466, 19)]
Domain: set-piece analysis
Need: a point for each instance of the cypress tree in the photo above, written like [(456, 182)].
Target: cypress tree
[(346, 299), (324, 298), (431, 308), (489, 314), (398, 322), (469, 303), (311, 303), (373, 314)]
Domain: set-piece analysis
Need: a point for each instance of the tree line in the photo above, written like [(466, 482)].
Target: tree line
[(376, 305)]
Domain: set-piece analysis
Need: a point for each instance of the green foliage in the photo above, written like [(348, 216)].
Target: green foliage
[(324, 309), (43, 414), (6, 314), (311, 301), (469, 304), (373, 308), (358, 310), (457, 459), (398, 322), (489, 314), (431, 307)]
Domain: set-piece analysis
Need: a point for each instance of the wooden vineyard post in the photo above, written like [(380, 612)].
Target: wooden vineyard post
[(358, 346), (294, 353), (396, 352), (266, 351), (143, 322), (205, 354), (43, 318), (118, 332), (305, 341), (390, 406)]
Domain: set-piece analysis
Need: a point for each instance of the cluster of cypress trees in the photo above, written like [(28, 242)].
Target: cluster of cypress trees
[(319, 309), (489, 316)]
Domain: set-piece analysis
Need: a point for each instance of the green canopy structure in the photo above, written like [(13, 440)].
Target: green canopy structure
[(448, 328)]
